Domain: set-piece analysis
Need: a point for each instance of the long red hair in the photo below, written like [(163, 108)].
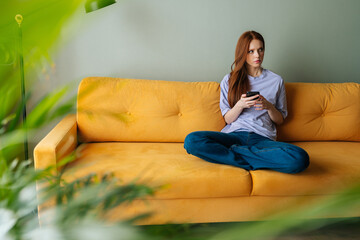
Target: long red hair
[(239, 81)]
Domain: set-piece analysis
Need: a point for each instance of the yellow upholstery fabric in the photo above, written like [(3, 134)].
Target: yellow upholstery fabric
[(186, 176), (322, 112), (160, 164), (333, 167), (233, 209), (115, 109), (58, 143), (136, 128)]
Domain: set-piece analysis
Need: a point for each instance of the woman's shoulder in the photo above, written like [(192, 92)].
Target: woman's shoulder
[(225, 80), (275, 77)]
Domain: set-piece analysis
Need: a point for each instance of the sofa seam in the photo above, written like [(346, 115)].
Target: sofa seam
[(274, 196), (251, 184)]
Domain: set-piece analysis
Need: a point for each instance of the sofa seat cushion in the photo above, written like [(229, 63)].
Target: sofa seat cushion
[(160, 164), (333, 167)]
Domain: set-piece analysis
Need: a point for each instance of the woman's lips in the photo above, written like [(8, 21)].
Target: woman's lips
[(257, 61)]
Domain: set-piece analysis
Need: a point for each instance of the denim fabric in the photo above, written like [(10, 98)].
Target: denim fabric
[(246, 150)]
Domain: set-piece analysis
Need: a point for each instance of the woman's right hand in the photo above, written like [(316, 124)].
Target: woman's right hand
[(246, 102)]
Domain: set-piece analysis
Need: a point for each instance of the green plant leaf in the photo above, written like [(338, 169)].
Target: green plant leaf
[(40, 114), (93, 5)]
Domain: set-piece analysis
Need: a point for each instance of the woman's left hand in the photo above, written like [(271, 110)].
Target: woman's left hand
[(263, 104), (275, 115)]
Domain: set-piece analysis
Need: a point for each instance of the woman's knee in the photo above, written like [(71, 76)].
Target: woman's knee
[(193, 139), (299, 161)]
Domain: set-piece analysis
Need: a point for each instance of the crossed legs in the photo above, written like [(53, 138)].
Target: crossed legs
[(246, 150)]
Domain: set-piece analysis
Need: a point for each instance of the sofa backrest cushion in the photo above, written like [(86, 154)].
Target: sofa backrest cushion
[(115, 109), (322, 112)]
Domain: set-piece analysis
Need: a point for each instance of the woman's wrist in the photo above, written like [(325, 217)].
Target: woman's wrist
[(271, 108), (238, 106), (275, 115), (233, 113)]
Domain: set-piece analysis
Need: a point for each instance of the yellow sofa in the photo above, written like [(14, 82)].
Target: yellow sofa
[(136, 128)]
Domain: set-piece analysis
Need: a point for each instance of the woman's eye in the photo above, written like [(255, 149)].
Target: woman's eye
[(260, 50), (251, 51)]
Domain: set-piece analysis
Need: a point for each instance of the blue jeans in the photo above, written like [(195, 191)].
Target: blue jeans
[(246, 150)]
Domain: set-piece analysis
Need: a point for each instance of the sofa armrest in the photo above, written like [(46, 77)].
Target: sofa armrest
[(57, 144)]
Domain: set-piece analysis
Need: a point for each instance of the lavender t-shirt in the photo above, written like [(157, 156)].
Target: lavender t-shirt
[(271, 86)]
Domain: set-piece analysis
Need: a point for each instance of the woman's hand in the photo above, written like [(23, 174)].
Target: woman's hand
[(263, 104), (246, 102), (275, 115)]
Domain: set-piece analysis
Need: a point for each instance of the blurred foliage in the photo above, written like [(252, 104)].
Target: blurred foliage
[(301, 219), (297, 223), (42, 27), (78, 206)]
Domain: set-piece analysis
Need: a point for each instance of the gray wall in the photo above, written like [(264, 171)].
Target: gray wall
[(194, 40)]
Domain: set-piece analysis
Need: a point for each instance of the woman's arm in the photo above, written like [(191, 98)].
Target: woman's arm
[(274, 114), (244, 102)]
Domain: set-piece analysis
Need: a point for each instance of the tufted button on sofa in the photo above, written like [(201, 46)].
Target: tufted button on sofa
[(136, 128)]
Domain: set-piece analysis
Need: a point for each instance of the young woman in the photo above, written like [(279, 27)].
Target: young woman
[(249, 138)]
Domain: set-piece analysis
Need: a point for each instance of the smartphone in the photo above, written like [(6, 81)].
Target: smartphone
[(250, 94)]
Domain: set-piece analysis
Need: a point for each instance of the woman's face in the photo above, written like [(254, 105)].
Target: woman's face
[(255, 54)]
